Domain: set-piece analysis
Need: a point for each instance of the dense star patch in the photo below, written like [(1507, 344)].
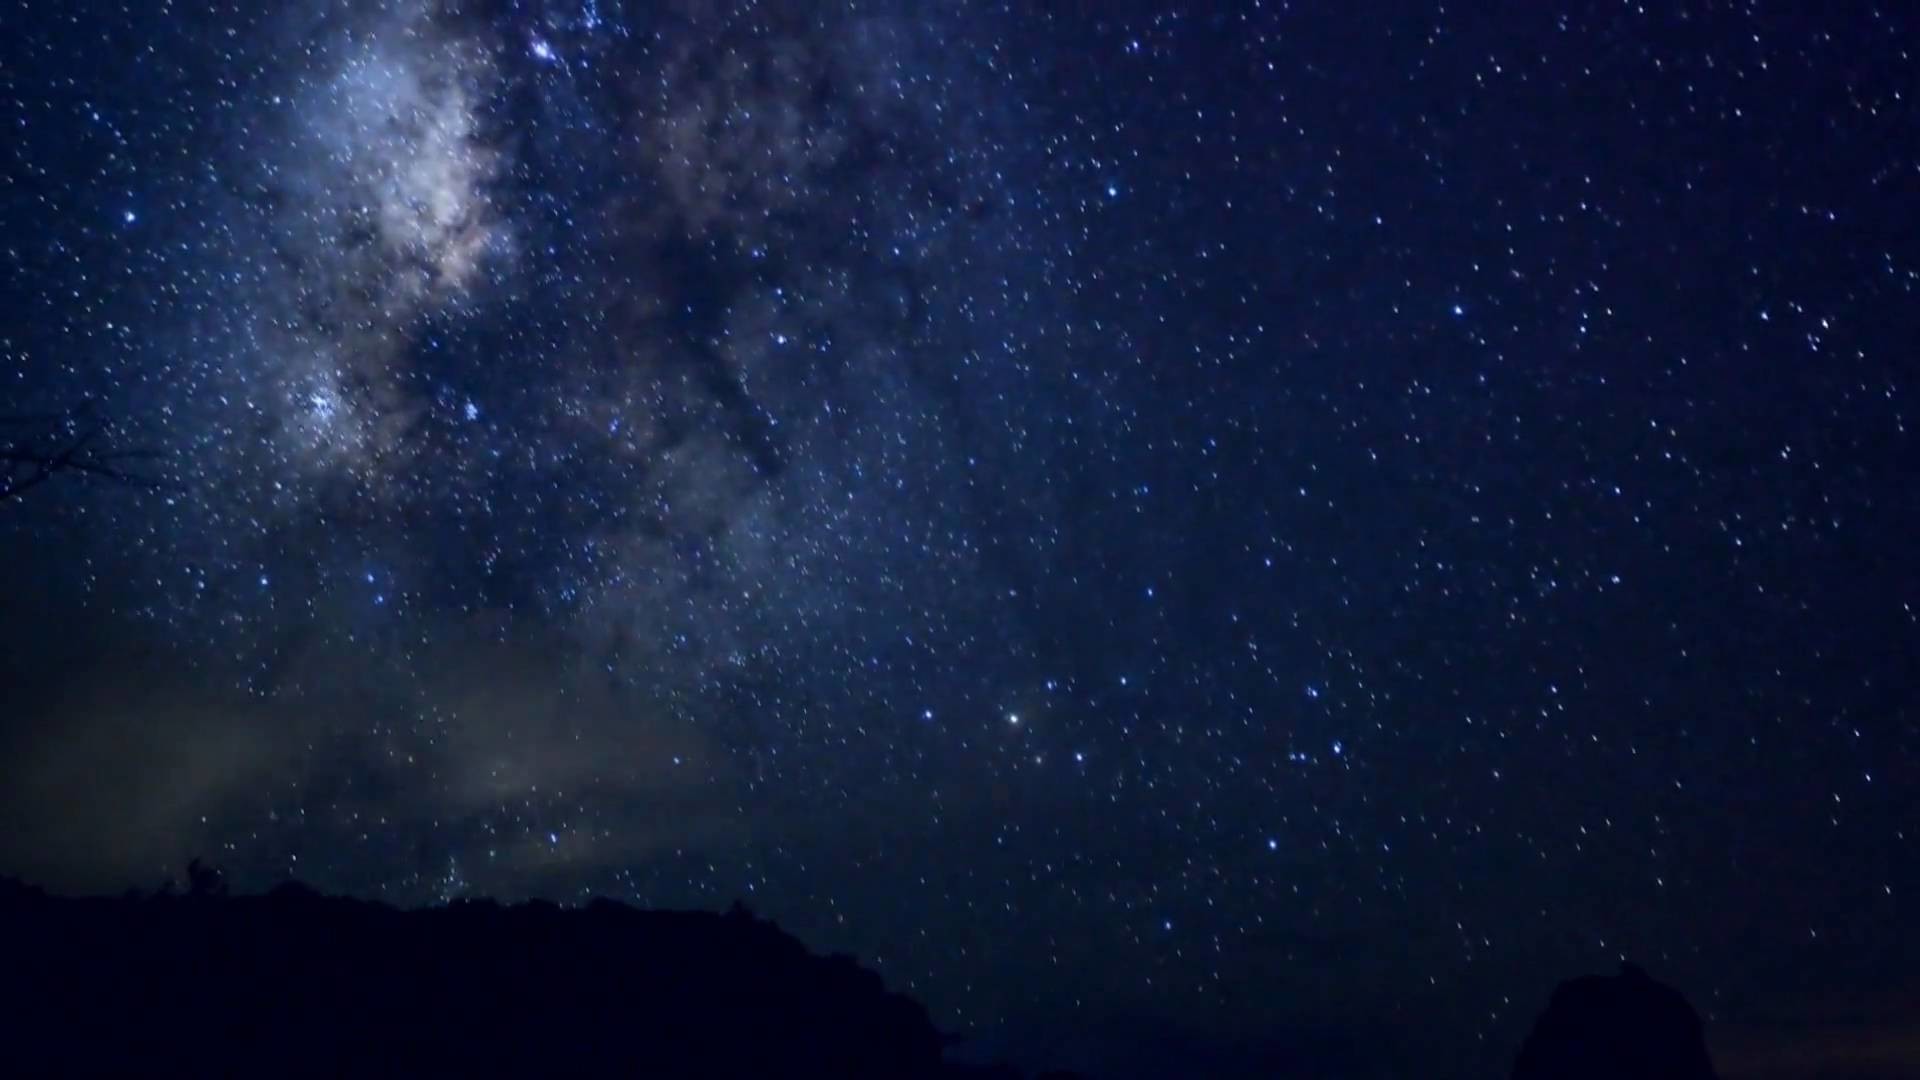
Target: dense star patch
[(1284, 530)]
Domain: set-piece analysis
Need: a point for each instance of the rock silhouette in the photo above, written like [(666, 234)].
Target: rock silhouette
[(1615, 1027), (295, 983)]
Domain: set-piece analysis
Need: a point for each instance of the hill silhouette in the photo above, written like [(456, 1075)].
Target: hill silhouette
[(296, 983), (1604, 1027)]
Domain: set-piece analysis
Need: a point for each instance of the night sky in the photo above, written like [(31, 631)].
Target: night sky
[(1259, 529)]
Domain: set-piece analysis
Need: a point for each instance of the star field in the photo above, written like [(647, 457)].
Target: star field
[(1283, 522)]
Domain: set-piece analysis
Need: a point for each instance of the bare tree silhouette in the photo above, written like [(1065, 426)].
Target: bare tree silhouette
[(34, 448)]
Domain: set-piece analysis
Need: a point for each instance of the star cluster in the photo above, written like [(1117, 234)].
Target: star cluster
[(1245, 519)]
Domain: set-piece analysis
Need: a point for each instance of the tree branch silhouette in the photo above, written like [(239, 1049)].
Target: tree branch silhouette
[(35, 448)]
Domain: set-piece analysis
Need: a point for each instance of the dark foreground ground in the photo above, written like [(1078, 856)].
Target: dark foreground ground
[(295, 983)]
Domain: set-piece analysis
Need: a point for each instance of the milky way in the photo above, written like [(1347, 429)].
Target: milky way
[(689, 338)]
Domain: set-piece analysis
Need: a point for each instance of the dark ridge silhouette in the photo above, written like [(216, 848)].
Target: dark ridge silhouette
[(1611, 1027), (295, 983)]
